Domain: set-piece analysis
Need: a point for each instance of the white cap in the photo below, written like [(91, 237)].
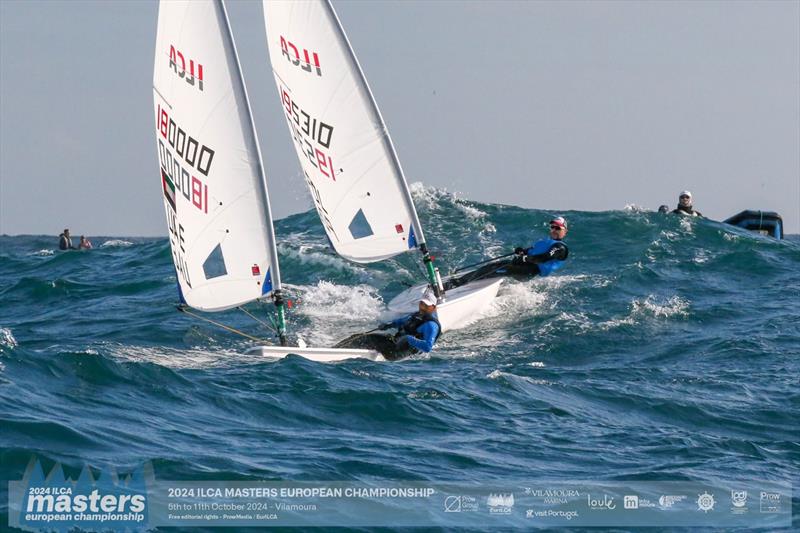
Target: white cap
[(428, 297), (686, 193)]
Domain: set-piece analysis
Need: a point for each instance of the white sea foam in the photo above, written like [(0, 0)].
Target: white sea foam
[(329, 300), (640, 310), (651, 306), (189, 358), (315, 255), (521, 300), (334, 310), (7, 338), (471, 211), (633, 208), (432, 197), (115, 243), (42, 253), (497, 374), (702, 256), (517, 299), (686, 224)]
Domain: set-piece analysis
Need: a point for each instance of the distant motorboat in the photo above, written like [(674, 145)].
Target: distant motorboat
[(763, 222)]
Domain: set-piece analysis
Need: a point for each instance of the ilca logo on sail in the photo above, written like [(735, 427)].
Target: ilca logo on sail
[(178, 64), (286, 44)]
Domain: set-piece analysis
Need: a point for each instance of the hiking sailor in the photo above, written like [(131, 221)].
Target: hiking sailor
[(685, 206), (416, 333), (543, 258)]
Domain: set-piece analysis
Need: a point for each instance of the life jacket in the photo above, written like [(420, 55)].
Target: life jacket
[(686, 211), (543, 246), (63, 242), (416, 320)]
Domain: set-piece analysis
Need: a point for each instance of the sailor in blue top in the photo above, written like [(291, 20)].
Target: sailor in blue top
[(543, 258), (417, 332), (420, 330)]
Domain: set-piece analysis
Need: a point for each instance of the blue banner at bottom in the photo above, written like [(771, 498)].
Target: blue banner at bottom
[(138, 501)]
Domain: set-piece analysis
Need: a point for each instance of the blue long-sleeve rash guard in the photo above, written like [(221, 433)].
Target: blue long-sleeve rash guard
[(429, 331)]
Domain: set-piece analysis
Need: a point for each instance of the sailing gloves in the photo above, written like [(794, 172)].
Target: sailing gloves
[(520, 254)]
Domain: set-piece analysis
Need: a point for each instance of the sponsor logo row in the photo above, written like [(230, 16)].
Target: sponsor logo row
[(502, 503)]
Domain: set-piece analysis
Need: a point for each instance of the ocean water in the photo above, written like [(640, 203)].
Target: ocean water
[(667, 349)]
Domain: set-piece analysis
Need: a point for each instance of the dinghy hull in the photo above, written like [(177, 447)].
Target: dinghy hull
[(461, 306), (321, 355)]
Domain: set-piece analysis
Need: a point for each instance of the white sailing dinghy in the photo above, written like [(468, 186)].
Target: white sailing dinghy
[(347, 157), (212, 176)]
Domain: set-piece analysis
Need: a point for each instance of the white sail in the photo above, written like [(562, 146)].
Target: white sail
[(215, 196), (344, 147)]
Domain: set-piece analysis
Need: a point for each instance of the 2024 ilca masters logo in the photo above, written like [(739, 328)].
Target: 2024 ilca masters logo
[(59, 503)]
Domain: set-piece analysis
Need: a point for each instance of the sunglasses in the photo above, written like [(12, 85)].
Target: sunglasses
[(556, 227), (683, 196)]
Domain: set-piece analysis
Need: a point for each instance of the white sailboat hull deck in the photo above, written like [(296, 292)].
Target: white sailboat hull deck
[(321, 355), (461, 306)]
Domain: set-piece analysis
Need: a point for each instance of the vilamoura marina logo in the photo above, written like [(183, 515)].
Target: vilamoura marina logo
[(90, 502)]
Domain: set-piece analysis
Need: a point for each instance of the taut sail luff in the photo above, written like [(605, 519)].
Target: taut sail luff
[(214, 188), (345, 151)]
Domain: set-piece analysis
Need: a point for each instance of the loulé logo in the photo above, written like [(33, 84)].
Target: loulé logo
[(90, 503)]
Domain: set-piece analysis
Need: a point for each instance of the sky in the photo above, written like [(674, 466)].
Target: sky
[(553, 105)]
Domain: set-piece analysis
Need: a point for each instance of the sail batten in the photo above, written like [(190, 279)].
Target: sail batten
[(341, 140), (215, 194)]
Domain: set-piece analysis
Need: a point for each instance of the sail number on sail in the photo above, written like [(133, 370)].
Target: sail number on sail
[(306, 130), (193, 188), (178, 151)]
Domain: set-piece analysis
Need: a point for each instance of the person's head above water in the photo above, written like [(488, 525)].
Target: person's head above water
[(558, 228), (427, 302), (685, 199)]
